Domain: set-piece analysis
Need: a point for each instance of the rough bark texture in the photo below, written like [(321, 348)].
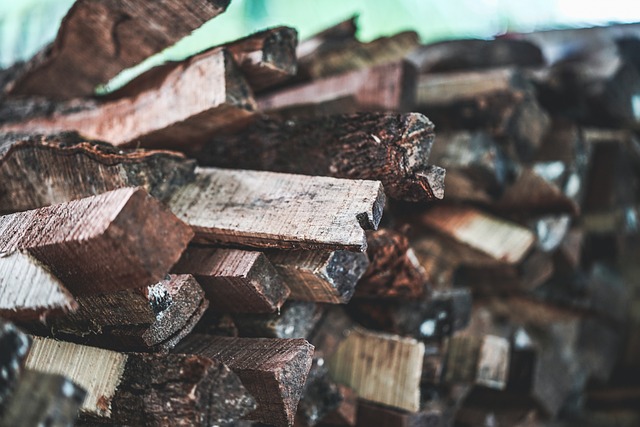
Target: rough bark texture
[(391, 148), (39, 170), (14, 346), (99, 38), (137, 237), (273, 370), (235, 281)]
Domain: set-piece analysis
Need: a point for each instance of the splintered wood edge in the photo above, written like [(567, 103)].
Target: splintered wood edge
[(96, 370), (382, 368)]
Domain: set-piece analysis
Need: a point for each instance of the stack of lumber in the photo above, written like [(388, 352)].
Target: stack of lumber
[(259, 234)]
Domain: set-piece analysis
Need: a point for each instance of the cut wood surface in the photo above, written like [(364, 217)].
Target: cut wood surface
[(267, 209), (135, 388), (41, 170), (174, 105), (153, 318), (98, 39), (478, 360), (138, 240), (392, 148), (380, 367), (500, 239), (320, 276), (28, 289), (235, 281), (273, 370), (15, 346)]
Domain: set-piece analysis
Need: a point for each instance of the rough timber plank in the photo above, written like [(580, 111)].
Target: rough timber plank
[(39, 170), (136, 237), (235, 281), (135, 388), (267, 209), (99, 38), (320, 276), (380, 367), (392, 148), (173, 105), (273, 370), (28, 290), (15, 346)]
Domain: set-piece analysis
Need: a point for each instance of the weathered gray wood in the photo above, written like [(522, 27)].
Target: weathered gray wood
[(14, 346)]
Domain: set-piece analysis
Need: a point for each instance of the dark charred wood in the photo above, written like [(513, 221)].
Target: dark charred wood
[(296, 319)]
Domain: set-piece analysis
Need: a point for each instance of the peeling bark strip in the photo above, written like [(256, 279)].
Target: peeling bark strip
[(392, 148), (39, 170), (172, 105), (276, 210), (154, 318), (43, 399), (380, 367), (320, 276), (99, 38), (135, 388), (122, 239), (235, 281), (273, 370), (15, 346)]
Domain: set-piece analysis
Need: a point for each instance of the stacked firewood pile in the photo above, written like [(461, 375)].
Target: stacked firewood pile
[(259, 234)]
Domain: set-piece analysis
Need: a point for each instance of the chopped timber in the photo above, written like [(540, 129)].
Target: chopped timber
[(320, 276), (500, 239), (28, 289), (333, 327), (273, 370), (153, 318), (176, 105), (392, 148), (394, 271), (98, 39), (388, 87), (341, 32), (134, 388), (480, 361), (381, 368), (235, 281), (122, 239), (14, 346), (295, 319), (276, 210), (42, 170), (43, 399)]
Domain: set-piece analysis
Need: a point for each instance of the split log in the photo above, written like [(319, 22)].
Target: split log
[(135, 388), (266, 209), (273, 370), (235, 281), (381, 368), (37, 170), (388, 87), (97, 40), (43, 399), (480, 361), (174, 105), (153, 318), (295, 319), (320, 276), (392, 148), (121, 225), (15, 346)]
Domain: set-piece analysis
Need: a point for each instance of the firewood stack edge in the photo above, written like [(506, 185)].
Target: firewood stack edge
[(259, 234)]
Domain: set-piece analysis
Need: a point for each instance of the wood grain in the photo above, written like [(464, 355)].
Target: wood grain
[(138, 239), (380, 367), (478, 360), (235, 281), (267, 209)]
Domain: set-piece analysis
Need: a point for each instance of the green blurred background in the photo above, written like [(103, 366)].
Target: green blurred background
[(27, 25)]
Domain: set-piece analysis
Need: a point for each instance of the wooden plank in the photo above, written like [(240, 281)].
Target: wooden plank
[(267, 209), (15, 346), (39, 170), (392, 148), (380, 367), (173, 105), (235, 281), (121, 225), (273, 370), (500, 239), (320, 276), (153, 318), (98, 39), (134, 388)]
